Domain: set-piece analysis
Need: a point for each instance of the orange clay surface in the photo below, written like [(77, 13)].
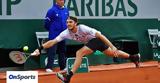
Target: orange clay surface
[(115, 73)]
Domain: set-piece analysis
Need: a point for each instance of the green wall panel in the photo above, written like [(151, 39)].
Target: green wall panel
[(17, 33)]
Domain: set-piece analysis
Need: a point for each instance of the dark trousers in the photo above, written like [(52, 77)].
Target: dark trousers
[(60, 48)]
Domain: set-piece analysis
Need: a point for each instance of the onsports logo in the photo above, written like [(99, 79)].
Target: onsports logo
[(21, 77)]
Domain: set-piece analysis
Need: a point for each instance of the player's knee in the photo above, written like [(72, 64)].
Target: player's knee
[(79, 53), (116, 53)]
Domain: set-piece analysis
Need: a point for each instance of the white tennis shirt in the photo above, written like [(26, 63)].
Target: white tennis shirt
[(84, 34)]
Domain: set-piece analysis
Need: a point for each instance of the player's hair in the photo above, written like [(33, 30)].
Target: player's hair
[(73, 18)]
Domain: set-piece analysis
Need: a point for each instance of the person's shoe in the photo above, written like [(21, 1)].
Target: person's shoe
[(61, 76), (135, 59), (49, 70), (65, 78)]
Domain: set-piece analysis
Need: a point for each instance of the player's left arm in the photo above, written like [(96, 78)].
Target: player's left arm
[(105, 40)]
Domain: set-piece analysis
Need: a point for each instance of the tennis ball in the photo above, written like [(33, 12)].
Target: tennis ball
[(25, 48)]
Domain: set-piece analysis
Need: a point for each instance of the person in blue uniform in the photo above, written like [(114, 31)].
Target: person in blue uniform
[(55, 23)]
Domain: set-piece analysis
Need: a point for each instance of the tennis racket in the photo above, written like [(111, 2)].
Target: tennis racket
[(19, 57)]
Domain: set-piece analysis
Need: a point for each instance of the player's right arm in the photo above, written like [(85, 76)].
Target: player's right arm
[(49, 43), (52, 42)]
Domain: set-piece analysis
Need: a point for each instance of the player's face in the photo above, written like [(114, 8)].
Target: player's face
[(60, 2), (70, 24)]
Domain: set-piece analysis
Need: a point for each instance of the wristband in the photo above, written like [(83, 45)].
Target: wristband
[(40, 48)]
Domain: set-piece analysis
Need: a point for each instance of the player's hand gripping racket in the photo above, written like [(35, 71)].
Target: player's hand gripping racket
[(19, 57)]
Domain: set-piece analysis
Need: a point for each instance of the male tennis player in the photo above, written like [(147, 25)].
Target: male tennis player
[(93, 40)]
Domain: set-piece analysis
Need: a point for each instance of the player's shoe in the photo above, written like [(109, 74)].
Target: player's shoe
[(64, 78), (135, 59)]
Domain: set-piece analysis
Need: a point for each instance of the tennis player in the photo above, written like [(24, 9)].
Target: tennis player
[(93, 41)]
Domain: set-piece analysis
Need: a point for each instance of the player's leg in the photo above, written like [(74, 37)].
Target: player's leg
[(118, 53), (97, 44), (79, 55)]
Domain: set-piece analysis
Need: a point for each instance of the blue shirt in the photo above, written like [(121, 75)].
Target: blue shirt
[(55, 21)]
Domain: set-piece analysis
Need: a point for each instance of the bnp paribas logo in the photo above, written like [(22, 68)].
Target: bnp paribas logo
[(22, 77)]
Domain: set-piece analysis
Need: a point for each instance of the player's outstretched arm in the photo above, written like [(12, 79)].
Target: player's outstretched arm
[(50, 43)]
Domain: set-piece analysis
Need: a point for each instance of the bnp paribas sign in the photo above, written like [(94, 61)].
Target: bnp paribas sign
[(85, 9), (103, 8)]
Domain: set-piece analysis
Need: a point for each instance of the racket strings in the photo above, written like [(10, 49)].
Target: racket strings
[(18, 57)]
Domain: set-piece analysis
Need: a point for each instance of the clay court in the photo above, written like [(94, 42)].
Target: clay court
[(115, 73)]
